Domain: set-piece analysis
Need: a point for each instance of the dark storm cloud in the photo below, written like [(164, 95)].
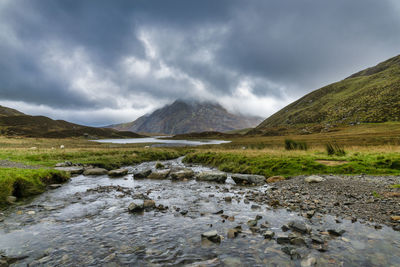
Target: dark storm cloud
[(96, 55)]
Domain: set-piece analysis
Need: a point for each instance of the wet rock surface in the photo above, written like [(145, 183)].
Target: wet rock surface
[(118, 172), (248, 179), (212, 176), (95, 171), (87, 222)]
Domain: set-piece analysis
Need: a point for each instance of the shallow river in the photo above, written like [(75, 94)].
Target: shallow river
[(86, 223)]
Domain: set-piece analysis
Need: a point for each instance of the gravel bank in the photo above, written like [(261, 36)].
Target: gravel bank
[(11, 164), (364, 198)]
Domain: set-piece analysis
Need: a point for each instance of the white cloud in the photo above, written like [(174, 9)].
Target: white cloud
[(137, 67), (93, 117), (244, 101)]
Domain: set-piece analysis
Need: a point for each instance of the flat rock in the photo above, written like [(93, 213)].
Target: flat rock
[(118, 172), (71, 170), (314, 179), (142, 175), (299, 226), (395, 218), (209, 234), (212, 236), (159, 175), (182, 174), (95, 171), (248, 179), (298, 241), (136, 206), (282, 239), (335, 232), (149, 204), (274, 179), (268, 234), (212, 176)]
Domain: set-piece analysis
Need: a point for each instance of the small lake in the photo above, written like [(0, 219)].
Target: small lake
[(160, 141)]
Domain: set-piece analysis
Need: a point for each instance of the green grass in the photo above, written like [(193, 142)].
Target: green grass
[(335, 149), (26, 182), (376, 195), (104, 158), (292, 165), (395, 186), (295, 145)]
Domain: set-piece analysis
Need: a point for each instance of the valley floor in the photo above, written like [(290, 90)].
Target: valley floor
[(356, 192)]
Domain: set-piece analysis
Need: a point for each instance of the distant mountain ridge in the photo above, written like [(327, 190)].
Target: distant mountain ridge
[(15, 123), (187, 117), (4, 111), (369, 96)]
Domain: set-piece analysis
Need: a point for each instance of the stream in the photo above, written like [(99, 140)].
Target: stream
[(86, 223)]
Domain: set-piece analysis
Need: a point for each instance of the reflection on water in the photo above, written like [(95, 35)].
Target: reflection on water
[(85, 224), (162, 141)]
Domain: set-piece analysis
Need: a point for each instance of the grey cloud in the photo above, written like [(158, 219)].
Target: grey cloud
[(287, 47)]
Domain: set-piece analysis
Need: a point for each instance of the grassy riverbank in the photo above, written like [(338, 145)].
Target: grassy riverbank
[(27, 182), (47, 152), (290, 163), (42, 154)]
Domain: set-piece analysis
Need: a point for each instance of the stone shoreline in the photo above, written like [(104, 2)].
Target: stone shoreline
[(369, 199)]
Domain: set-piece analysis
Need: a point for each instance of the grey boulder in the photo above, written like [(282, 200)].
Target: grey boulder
[(182, 174), (159, 175), (212, 176), (118, 172), (248, 179), (95, 171)]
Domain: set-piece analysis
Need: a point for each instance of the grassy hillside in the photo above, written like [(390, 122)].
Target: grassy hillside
[(40, 126), (4, 111), (369, 96)]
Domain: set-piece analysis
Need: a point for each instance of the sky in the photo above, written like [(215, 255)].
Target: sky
[(97, 62)]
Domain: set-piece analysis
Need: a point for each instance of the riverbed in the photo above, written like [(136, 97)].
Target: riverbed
[(86, 223)]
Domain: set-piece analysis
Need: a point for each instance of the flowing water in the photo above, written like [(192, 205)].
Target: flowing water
[(86, 223)]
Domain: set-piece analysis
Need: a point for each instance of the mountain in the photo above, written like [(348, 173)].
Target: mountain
[(4, 111), (369, 96), (187, 117), (15, 123)]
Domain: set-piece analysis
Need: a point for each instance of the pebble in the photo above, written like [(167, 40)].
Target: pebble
[(232, 233), (335, 232), (252, 223), (268, 234), (310, 261), (212, 236), (281, 239)]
